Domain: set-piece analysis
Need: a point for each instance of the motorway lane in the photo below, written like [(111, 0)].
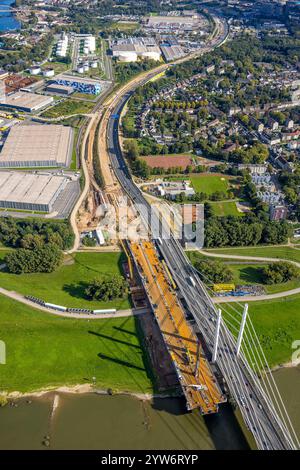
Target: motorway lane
[(266, 427)]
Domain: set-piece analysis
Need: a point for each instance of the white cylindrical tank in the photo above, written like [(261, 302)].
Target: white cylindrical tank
[(86, 67), (94, 64), (48, 73), (151, 55), (35, 70), (128, 56), (80, 69)]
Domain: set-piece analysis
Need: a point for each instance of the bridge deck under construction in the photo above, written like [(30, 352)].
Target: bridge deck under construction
[(195, 375)]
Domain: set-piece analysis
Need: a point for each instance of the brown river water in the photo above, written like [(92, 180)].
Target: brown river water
[(92, 421)]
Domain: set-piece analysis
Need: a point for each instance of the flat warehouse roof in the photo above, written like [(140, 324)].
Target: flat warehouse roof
[(23, 99), (37, 143), (27, 188)]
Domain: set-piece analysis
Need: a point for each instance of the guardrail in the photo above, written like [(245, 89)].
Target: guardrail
[(61, 308)]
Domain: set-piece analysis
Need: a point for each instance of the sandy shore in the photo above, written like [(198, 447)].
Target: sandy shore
[(286, 365), (90, 388), (81, 389)]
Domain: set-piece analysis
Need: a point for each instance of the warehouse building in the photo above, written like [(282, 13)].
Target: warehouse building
[(171, 52), (172, 23), (28, 102), (30, 192), (80, 85), (129, 50), (37, 146), (59, 89)]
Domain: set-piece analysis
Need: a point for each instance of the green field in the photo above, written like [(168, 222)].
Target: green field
[(66, 285), (208, 183), (59, 67), (277, 323), (67, 108), (43, 350), (222, 209), (124, 26), (281, 252), (248, 274), (251, 274)]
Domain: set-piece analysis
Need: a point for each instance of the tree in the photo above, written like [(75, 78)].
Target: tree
[(277, 273), (213, 272), (32, 242), (131, 149), (108, 288), (41, 260), (89, 241)]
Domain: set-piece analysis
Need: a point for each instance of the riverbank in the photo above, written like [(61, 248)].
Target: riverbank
[(45, 351), (87, 388), (81, 389), (115, 422)]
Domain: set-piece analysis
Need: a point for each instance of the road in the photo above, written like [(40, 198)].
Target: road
[(247, 258), (95, 316), (256, 298), (259, 413)]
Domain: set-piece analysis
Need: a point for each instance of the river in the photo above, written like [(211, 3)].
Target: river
[(91, 421), (7, 20)]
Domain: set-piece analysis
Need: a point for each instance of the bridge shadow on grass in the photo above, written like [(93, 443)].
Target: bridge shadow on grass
[(131, 362), (115, 340), (119, 362)]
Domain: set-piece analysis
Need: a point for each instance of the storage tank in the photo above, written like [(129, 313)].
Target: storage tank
[(151, 55), (94, 64), (48, 73), (80, 69), (35, 70), (127, 56)]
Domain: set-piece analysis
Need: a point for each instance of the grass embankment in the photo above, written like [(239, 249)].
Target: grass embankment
[(281, 252), (66, 285), (248, 274), (277, 323), (68, 107), (58, 67), (44, 351)]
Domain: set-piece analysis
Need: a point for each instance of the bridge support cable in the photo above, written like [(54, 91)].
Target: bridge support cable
[(269, 431), (233, 375), (271, 388), (204, 312), (216, 343), (261, 429), (241, 332), (250, 372), (275, 387), (266, 391)]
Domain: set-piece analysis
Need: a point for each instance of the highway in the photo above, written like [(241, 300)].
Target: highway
[(258, 411), (260, 405), (251, 395)]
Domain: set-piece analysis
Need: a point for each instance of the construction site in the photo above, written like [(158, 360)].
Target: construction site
[(176, 352)]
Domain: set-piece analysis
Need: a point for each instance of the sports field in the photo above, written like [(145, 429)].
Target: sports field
[(209, 183)]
